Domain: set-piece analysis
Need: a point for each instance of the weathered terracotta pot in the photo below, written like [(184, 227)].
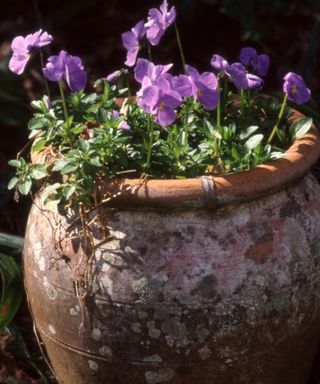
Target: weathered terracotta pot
[(213, 280)]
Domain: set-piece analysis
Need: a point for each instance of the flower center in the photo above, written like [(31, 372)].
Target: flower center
[(161, 106), (294, 89), (199, 93)]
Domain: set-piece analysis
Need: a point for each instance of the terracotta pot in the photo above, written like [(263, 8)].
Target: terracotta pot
[(212, 280)]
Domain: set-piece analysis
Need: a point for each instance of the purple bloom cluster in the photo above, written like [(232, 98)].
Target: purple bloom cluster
[(155, 27), (260, 63), (23, 48), (61, 66), (161, 92), (237, 73), (159, 21), (68, 67), (201, 87), (157, 95), (295, 88)]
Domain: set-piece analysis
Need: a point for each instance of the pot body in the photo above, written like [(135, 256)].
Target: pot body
[(181, 296)]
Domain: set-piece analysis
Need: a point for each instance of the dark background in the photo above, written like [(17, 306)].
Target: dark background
[(289, 31)]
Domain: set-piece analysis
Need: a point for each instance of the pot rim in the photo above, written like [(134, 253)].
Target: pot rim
[(219, 190)]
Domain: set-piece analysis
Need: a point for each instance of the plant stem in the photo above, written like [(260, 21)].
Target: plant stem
[(218, 109), (241, 104), (183, 60), (186, 119), (44, 78), (128, 85), (150, 130), (225, 95), (275, 128), (64, 104)]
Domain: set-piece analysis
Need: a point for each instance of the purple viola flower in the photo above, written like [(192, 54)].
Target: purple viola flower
[(147, 73), (237, 72), (238, 76), (112, 77), (160, 100), (68, 67), (242, 79), (159, 21), (203, 87), (124, 125), (295, 88), (254, 82), (23, 48), (131, 41), (146, 68), (114, 115), (247, 55), (260, 63), (220, 63)]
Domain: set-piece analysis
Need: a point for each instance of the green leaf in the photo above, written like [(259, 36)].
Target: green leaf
[(68, 191), (37, 123), (25, 187), (11, 241), (13, 182), (276, 155), (14, 163), (38, 145), (236, 153), (36, 104), (69, 168), (11, 289), (248, 132), (253, 141), (84, 145), (38, 172), (95, 162), (301, 127), (59, 165), (78, 129)]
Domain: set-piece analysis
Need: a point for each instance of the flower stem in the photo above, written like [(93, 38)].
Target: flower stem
[(150, 130), (275, 128), (128, 85), (183, 60), (44, 78), (64, 104), (241, 103), (218, 110), (186, 119)]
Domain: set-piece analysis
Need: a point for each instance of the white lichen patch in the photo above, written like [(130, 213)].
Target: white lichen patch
[(136, 327), (105, 351), (161, 376), (73, 312), (52, 329), (142, 315), (170, 341), (153, 332), (37, 251), (42, 263), (52, 294), (202, 334), (153, 359), (93, 365), (204, 353), (96, 334)]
